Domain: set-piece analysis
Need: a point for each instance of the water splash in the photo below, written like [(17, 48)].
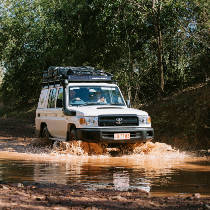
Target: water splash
[(151, 147), (67, 151), (91, 149), (78, 148)]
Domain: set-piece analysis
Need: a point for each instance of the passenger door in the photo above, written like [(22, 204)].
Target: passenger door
[(61, 125), (51, 114)]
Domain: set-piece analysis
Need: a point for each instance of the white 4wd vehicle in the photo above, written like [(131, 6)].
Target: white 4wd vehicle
[(81, 103)]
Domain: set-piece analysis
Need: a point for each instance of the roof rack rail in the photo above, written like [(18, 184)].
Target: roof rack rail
[(57, 74)]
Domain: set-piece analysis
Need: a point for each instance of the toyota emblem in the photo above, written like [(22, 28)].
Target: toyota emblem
[(119, 120)]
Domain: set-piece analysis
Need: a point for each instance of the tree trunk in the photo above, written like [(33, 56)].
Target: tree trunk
[(156, 10)]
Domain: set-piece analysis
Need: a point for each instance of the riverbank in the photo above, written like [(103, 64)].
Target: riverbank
[(53, 196), (183, 119)]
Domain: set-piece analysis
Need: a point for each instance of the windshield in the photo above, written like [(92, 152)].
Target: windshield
[(95, 95)]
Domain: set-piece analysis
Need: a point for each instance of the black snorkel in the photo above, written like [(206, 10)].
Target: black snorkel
[(66, 111)]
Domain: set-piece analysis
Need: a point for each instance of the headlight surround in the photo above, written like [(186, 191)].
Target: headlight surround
[(144, 120), (89, 121)]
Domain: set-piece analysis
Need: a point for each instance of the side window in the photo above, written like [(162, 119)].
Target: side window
[(59, 101), (42, 99), (51, 99)]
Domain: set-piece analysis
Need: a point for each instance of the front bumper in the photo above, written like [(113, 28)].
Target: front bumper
[(106, 135)]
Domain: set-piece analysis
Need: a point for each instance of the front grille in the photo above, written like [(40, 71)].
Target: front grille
[(118, 120)]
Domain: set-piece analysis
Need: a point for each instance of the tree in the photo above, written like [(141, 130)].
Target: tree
[(151, 47)]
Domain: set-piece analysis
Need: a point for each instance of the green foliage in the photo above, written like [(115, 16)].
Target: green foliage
[(119, 36)]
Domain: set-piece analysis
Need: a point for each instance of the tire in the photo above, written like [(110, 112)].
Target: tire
[(72, 134), (45, 133)]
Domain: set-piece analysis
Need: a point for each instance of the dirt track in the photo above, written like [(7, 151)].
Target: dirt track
[(25, 195)]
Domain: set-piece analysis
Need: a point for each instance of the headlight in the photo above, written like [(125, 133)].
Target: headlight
[(144, 120), (89, 121)]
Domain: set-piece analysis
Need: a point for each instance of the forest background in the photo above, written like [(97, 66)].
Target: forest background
[(154, 49)]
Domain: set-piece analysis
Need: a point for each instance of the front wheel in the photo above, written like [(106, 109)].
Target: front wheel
[(72, 134), (45, 133)]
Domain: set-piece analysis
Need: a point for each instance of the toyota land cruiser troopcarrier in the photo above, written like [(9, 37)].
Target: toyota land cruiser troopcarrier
[(82, 103)]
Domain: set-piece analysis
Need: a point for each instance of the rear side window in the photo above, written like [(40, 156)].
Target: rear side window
[(59, 102), (51, 99), (42, 99)]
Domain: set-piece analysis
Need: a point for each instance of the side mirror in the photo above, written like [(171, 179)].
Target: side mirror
[(128, 102)]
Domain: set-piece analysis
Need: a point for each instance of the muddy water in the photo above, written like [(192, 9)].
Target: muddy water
[(155, 168)]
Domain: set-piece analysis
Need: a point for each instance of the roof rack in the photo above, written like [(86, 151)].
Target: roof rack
[(56, 74)]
